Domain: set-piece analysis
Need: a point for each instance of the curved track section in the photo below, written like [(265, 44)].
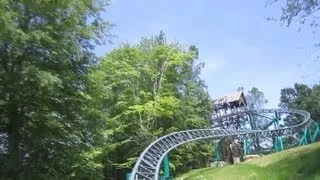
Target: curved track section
[(148, 165)]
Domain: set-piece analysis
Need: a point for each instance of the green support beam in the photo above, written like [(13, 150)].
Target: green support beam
[(281, 143), (304, 139), (316, 133), (218, 152), (308, 137), (166, 168), (245, 141), (128, 176), (278, 143), (275, 145), (245, 147)]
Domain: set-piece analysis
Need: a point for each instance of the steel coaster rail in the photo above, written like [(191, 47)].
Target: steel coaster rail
[(148, 165)]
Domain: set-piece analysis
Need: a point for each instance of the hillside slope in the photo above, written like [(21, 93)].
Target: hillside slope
[(297, 163)]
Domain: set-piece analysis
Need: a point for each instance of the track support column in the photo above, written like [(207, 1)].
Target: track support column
[(316, 133), (278, 143), (166, 168), (218, 151), (304, 139), (245, 147)]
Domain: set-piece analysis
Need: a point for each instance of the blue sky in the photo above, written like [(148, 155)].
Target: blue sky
[(236, 42)]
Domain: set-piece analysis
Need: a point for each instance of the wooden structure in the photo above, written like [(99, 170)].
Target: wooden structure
[(232, 103), (227, 105)]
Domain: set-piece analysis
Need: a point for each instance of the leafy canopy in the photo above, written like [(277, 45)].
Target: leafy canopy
[(148, 90), (48, 127)]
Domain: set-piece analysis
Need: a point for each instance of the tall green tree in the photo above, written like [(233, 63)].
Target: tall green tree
[(301, 96), (255, 99), (47, 127), (148, 90)]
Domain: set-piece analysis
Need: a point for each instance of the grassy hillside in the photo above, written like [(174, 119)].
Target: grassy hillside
[(298, 163)]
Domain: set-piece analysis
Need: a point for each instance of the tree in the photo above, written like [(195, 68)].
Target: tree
[(240, 89), (303, 12), (303, 97), (46, 48), (300, 10), (150, 89), (255, 99), (300, 96)]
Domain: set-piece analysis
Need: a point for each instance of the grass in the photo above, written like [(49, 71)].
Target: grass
[(297, 163)]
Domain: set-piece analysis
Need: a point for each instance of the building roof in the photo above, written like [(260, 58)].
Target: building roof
[(236, 97)]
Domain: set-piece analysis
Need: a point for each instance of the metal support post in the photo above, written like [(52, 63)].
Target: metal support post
[(280, 143), (304, 140), (218, 153), (316, 133), (166, 168), (275, 144), (128, 176), (245, 141), (246, 147), (309, 137)]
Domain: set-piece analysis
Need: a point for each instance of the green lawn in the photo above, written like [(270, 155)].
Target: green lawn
[(297, 163)]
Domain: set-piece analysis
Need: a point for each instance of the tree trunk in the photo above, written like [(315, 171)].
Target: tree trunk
[(226, 150), (14, 165), (257, 144)]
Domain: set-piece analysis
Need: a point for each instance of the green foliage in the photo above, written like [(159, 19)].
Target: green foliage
[(191, 156), (302, 97), (148, 90), (47, 122), (67, 115), (255, 99), (298, 10)]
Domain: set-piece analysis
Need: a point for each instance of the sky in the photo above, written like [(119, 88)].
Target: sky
[(237, 43)]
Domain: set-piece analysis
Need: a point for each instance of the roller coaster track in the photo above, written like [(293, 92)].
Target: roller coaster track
[(148, 165)]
